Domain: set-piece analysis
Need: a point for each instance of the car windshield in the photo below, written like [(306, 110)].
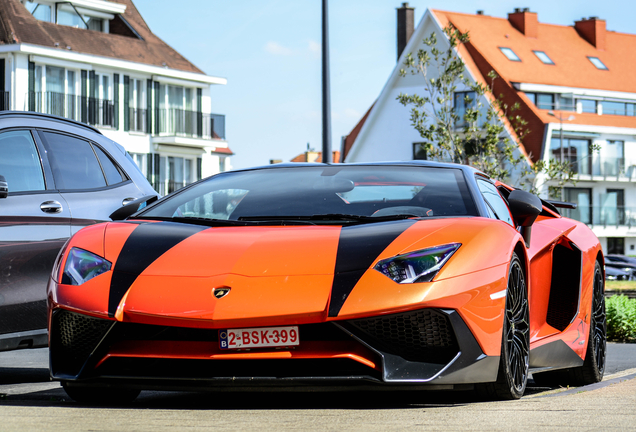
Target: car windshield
[(352, 193)]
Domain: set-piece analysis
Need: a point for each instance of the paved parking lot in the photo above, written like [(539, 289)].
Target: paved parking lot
[(31, 402)]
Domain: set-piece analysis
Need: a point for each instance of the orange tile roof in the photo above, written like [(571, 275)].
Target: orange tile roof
[(335, 158), (17, 25)]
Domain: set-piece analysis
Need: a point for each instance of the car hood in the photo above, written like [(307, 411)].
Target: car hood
[(170, 270)]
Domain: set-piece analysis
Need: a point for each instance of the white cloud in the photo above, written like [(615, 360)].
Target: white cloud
[(314, 46), (277, 49)]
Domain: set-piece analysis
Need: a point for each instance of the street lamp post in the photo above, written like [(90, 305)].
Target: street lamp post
[(326, 102)]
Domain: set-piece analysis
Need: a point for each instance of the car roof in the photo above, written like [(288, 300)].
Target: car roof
[(41, 116), (415, 163)]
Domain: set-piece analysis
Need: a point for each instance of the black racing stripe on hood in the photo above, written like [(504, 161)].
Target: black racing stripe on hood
[(358, 247), (144, 245)]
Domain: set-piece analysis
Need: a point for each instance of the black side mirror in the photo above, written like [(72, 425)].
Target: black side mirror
[(132, 207), (4, 187), (525, 208)]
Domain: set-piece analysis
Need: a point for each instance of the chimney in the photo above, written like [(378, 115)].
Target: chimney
[(592, 30), (525, 21), (405, 26)]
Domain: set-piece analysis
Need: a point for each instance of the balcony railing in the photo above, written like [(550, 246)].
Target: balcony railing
[(81, 108), (5, 101), (601, 166), (167, 186), (189, 123), (138, 120), (603, 215)]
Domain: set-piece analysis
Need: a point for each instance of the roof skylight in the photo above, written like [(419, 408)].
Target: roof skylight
[(510, 54), (598, 63), (543, 57)]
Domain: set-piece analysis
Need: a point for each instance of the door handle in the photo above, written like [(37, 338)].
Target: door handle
[(128, 200), (51, 207)]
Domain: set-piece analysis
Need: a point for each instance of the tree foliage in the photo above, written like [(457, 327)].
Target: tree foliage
[(475, 135)]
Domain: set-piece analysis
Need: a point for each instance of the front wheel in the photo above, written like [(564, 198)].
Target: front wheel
[(515, 346)]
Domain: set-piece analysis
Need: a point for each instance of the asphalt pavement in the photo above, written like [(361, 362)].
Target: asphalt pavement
[(29, 401)]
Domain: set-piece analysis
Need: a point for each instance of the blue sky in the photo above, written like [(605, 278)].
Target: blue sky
[(269, 51)]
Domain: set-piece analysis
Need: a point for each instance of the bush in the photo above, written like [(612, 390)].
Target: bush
[(621, 318)]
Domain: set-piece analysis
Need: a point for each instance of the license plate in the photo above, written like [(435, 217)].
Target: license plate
[(260, 337)]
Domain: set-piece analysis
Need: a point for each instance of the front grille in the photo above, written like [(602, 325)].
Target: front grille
[(424, 335), (73, 339), (268, 369)]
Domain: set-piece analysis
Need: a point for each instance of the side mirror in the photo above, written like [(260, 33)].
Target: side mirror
[(132, 207), (525, 208), (4, 187)]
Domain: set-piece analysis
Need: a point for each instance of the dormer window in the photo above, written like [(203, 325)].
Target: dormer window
[(96, 16), (543, 57), (510, 54), (598, 63)]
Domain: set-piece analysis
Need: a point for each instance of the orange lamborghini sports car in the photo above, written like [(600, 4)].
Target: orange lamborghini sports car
[(404, 275)]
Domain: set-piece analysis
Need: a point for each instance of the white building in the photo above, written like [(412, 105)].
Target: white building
[(97, 62), (576, 88)]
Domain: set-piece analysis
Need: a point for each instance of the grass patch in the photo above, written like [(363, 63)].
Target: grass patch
[(621, 319), (620, 285)]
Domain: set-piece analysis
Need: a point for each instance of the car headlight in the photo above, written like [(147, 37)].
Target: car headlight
[(82, 266), (418, 266)]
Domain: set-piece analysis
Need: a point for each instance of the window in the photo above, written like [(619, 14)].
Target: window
[(588, 105), (582, 197), (174, 173), (20, 162), (573, 150), (543, 57), (495, 201), (41, 12), (610, 160), (419, 151), (532, 97), (612, 210), (510, 54), (64, 13), (73, 162), (545, 101), (222, 160), (616, 245), (598, 63), (614, 108), (113, 174), (463, 101)]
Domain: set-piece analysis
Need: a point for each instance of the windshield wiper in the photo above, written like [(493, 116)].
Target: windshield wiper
[(334, 217), (196, 220)]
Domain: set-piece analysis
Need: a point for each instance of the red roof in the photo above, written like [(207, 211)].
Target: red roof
[(303, 157), (17, 25), (223, 150)]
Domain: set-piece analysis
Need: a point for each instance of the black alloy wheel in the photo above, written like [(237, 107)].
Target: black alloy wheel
[(515, 350)]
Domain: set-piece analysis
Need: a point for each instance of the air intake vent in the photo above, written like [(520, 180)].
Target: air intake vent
[(425, 335)]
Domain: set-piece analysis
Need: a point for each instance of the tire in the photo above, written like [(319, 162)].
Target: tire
[(594, 365), (512, 376), (100, 395)]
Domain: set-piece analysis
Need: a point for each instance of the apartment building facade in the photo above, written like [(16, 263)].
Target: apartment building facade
[(97, 62), (575, 88)]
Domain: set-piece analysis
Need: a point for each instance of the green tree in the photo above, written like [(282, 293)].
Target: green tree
[(477, 136)]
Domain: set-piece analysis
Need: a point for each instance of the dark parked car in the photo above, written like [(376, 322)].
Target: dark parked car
[(612, 273), (56, 177), (619, 262)]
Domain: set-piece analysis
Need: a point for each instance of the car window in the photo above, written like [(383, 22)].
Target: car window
[(73, 162), (113, 174), (20, 162), (497, 203)]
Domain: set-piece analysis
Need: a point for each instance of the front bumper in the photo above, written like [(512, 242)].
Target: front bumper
[(430, 347)]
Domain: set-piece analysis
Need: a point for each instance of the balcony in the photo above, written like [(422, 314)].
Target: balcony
[(605, 216), (192, 124), (84, 109), (137, 120), (596, 167)]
